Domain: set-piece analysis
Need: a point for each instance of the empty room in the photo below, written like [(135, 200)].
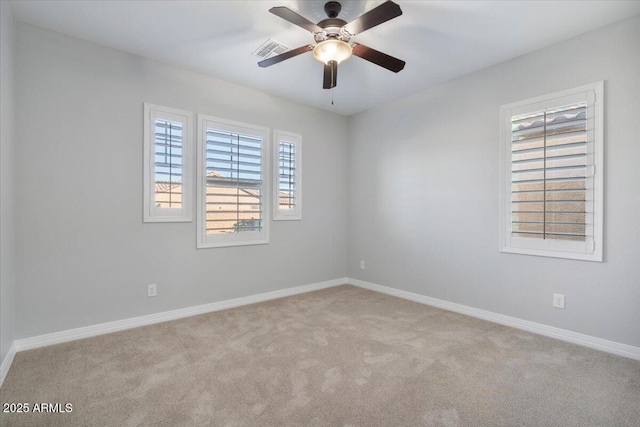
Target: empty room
[(319, 213)]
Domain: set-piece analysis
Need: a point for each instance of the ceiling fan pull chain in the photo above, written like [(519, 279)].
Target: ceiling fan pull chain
[(331, 96)]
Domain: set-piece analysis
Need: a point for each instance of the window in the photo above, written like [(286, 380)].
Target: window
[(232, 173), (552, 175), (167, 164), (287, 182)]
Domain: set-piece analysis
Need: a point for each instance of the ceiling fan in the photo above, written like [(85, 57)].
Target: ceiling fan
[(332, 37)]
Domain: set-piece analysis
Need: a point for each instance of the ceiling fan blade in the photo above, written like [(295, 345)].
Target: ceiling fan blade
[(289, 15), (378, 58), (288, 54), (330, 75), (376, 16)]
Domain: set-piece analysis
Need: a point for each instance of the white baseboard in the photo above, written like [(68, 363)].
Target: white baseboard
[(6, 363), (573, 337), (120, 325)]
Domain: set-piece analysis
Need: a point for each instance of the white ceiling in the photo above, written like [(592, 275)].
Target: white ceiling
[(439, 40)]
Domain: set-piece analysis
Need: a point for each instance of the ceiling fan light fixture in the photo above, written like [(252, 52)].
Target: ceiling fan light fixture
[(332, 50)]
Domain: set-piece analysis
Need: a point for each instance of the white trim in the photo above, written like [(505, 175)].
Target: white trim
[(537, 328), (205, 240), (150, 212), (120, 325), (612, 347), (6, 363), (295, 139)]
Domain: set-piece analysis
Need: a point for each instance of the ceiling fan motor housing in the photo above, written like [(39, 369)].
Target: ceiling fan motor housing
[(332, 28)]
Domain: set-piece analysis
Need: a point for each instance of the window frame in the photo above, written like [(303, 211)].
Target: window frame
[(205, 240), (592, 250), (296, 139), (150, 212)]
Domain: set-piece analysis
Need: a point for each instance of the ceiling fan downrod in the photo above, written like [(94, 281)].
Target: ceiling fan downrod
[(332, 9)]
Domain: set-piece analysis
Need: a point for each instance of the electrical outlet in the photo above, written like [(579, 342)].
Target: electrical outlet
[(152, 290), (361, 265), (558, 300)]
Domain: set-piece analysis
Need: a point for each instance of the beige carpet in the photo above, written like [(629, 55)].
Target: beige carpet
[(338, 357)]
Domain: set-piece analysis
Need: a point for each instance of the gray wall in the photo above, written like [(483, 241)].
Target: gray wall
[(7, 180), (422, 185), (423, 195), (84, 255)]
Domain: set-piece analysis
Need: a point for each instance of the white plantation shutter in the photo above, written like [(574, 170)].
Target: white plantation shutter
[(549, 175), (167, 164), (232, 192), (286, 175), (234, 182), (287, 200), (551, 197)]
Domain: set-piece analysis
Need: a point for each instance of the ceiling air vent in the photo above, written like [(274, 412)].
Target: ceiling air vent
[(270, 48)]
